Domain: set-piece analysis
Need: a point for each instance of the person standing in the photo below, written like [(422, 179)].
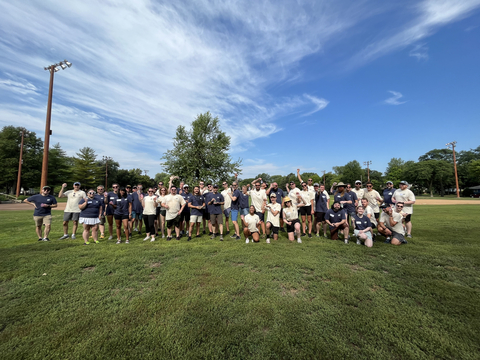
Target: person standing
[(407, 197), (234, 195), (243, 203), (373, 198), (161, 193), (122, 213), (149, 204), (174, 204), (137, 208), (90, 215), (259, 197), (322, 202), (359, 191), (205, 218), (388, 193), (72, 212), (110, 199), (350, 203), (227, 208), (307, 211), (197, 205), (100, 195), (273, 217), (185, 215), (214, 204), (42, 215)]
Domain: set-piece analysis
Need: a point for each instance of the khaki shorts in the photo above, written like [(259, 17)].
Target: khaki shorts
[(196, 218), (216, 219), (42, 220)]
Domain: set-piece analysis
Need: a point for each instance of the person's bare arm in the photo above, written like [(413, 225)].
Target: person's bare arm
[(298, 176), (60, 194)]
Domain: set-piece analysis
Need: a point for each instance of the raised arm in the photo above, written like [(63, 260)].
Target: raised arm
[(298, 176), (60, 194)]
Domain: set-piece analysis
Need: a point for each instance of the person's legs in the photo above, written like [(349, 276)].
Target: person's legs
[(46, 231), (95, 232), (140, 216), (65, 227), (408, 225), (304, 218), (256, 236), (297, 230), (110, 224), (334, 233), (125, 226), (227, 225), (269, 227), (85, 233), (38, 230), (309, 218), (291, 236), (346, 231), (75, 227), (275, 232), (118, 223)]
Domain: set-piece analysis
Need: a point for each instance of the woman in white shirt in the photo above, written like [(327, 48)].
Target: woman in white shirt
[(149, 204), (161, 193), (250, 225)]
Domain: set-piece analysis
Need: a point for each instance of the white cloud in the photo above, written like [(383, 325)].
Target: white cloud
[(319, 103), (394, 100), (420, 52)]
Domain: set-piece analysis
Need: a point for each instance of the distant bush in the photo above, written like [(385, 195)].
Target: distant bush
[(22, 197)]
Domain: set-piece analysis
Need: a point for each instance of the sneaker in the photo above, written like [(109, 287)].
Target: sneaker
[(221, 237), (212, 236), (317, 235), (199, 236), (359, 242), (387, 241), (204, 232), (325, 236), (238, 238), (373, 237), (404, 241), (40, 239), (409, 236), (102, 237), (227, 232), (45, 239), (118, 241), (346, 241), (127, 242), (268, 241), (98, 242), (187, 233), (299, 240), (210, 233), (87, 243), (163, 236), (73, 236), (64, 237), (189, 238), (169, 238), (146, 238), (135, 229), (110, 237), (139, 233), (178, 237), (234, 236), (309, 235), (303, 234), (152, 239), (247, 241)]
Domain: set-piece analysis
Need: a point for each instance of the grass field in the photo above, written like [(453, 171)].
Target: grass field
[(225, 300)]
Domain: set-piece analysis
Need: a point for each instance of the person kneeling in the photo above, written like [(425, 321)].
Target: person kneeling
[(362, 227), (390, 225), (250, 225), (336, 218)]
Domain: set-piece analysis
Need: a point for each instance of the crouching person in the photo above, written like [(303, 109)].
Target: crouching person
[(362, 227), (390, 225)]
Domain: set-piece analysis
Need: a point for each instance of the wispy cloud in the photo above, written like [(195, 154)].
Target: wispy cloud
[(394, 100), (319, 103), (420, 52)]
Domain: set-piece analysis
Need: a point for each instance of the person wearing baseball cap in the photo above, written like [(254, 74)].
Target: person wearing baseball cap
[(43, 204), (273, 217), (405, 195), (388, 193), (72, 211), (359, 191)]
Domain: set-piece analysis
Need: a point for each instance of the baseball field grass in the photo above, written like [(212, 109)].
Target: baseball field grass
[(207, 299)]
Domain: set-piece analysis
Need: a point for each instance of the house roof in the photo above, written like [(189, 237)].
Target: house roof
[(475, 187)]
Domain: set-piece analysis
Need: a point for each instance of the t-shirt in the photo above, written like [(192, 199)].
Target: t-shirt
[(73, 198), (100, 198), (292, 194), (38, 200), (137, 203), (275, 220), (188, 198), (150, 205), (279, 193), (243, 201), (111, 196), (257, 198), (92, 209), (398, 228), (369, 211), (215, 208), (321, 202), (350, 196), (228, 199), (174, 203), (371, 196), (290, 212), (307, 196), (252, 222), (361, 223), (387, 195), (122, 206), (405, 195), (236, 204), (360, 193), (337, 197), (160, 200), (197, 200), (335, 217)]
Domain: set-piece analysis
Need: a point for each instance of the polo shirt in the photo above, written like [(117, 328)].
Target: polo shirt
[(38, 200), (197, 200), (215, 209)]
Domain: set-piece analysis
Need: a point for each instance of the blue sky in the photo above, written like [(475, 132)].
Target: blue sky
[(308, 84)]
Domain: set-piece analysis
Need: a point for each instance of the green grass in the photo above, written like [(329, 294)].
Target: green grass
[(224, 300)]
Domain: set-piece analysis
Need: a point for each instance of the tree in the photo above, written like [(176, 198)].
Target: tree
[(474, 170), (432, 174), (350, 172), (394, 171), (87, 170), (438, 154), (162, 177), (265, 178), (112, 168), (201, 153), (60, 166)]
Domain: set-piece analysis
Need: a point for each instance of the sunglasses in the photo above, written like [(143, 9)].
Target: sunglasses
[(310, 180), (150, 190), (114, 187), (369, 185), (400, 206), (91, 193)]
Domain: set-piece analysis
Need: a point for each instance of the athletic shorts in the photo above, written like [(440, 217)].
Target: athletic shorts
[(227, 212), (368, 233), (71, 216), (319, 216), (274, 228), (234, 215), (163, 213), (42, 220), (408, 218), (157, 211), (185, 216), (398, 236), (120, 217), (173, 222), (334, 231), (216, 219), (291, 228), (377, 215), (260, 215), (195, 219), (244, 211), (305, 210)]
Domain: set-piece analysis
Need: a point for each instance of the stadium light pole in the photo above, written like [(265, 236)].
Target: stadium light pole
[(452, 144), (367, 164), (20, 162), (46, 143)]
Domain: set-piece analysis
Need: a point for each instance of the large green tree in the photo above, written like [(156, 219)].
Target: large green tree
[(87, 170), (201, 153), (60, 166), (350, 172), (430, 174), (394, 171)]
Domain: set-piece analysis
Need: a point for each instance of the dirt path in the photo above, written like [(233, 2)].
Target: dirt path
[(61, 206)]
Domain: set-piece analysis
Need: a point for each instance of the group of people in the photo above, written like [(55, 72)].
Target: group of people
[(259, 211)]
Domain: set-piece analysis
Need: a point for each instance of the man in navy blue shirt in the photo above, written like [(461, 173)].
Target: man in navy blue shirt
[(42, 215), (235, 206), (185, 215), (215, 202), (137, 208), (336, 218), (197, 206), (321, 208), (388, 193)]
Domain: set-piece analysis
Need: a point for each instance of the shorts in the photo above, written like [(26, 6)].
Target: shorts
[(173, 222), (260, 215), (234, 215), (305, 210), (244, 211), (157, 211), (71, 216), (334, 232), (216, 219), (227, 212), (368, 233), (291, 228), (120, 217), (319, 216), (377, 215), (195, 219), (274, 228), (185, 216), (398, 236), (163, 213), (136, 216), (408, 218), (42, 220), (89, 221)]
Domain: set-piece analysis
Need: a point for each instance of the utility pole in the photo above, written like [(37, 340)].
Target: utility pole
[(367, 164), (453, 144), (324, 177), (20, 162), (106, 158)]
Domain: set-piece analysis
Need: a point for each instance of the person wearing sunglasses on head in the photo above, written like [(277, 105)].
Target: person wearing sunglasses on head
[(374, 199), (149, 204), (43, 204), (407, 197), (90, 215), (72, 212), (110, 198)]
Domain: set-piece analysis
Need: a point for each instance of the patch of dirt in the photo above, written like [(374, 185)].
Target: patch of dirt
[(356, 267), (90, 268), (291, 291), (237, 264), (446, 202), (156, 264)]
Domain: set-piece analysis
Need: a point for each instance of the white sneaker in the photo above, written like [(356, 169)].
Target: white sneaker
[(268, 241), (299, 240), (73, 236), (163, 236), (110, 237), (247, 241), (359, 242), (135, 229), (146, 238), (152, 240)]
